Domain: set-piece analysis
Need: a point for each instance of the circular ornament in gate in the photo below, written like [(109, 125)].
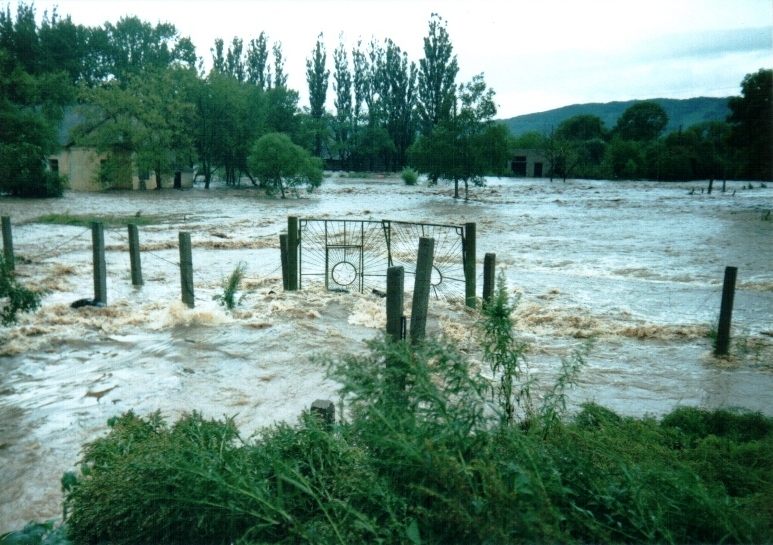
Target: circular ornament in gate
[(344, 273)]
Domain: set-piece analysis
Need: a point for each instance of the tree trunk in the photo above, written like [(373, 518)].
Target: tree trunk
[(456, 188), (158, 176)]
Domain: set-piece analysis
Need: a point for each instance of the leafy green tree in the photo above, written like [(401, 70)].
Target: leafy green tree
[(581, 144), (258, 67), (466, 146), (624, 159), (31, 106), (642, 122), (437, 76), (528, 140), (136, 47), (317, 78), (342, 86), (150, 119), (280, 78), (279, 163), (751, 119), (395, 85)]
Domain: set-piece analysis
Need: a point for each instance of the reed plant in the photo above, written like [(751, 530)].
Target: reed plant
[(230, 286)]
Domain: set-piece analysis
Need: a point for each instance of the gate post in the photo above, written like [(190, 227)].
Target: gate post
[(421, 288), (394, 302), (292, 253), (469, 264)]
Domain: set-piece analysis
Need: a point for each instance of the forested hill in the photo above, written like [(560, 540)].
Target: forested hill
[(684, 112)]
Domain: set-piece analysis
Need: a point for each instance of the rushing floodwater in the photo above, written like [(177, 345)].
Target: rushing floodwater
[(637, 265)]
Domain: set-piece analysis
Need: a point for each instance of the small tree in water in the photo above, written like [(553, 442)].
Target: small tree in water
[(277, 163)]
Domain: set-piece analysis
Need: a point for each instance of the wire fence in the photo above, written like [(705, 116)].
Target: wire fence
[(402, 244)]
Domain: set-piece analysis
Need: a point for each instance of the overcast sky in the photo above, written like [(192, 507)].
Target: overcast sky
[(536, 54)]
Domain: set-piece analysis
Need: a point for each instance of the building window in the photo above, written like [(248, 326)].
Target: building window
[(519, 165), (53, 164)]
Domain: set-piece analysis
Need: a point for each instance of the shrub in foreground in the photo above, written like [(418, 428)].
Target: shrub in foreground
[(430, 453)]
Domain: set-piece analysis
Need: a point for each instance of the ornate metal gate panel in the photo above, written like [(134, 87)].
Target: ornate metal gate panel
[(355, 254)]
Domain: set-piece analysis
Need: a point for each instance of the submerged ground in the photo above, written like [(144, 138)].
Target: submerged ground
[(638, 266)]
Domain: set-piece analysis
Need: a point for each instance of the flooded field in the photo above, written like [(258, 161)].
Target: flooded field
[(638, 266)]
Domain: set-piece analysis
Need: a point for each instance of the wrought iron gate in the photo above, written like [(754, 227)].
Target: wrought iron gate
[(355, 254)]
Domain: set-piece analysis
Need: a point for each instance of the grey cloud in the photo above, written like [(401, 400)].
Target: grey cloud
[(707, 43)]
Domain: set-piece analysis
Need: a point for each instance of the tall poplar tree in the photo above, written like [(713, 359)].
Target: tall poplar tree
[(317, 78), (437, 76), (342, 86)]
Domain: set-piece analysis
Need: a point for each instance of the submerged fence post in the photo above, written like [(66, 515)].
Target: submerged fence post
[(421, 288), (186, 269), (283, 258), (726, 311), (292, 253), (469, 264), (489, 276), (100, 268), (325, 410), (395, 288), (8, 243), (134, 255)]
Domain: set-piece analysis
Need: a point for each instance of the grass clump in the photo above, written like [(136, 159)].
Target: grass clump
[(431, 453), (14, 298), (37, 533), (231, 286), (409, 176), (85, 220)]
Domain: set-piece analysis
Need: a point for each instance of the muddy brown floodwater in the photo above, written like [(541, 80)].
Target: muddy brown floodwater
[(638, 266)]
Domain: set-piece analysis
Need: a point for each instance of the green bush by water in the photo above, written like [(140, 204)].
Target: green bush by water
[(14, 298), (430, 453), (409, 176)]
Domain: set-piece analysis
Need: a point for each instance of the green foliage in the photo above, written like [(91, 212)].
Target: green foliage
[(642, 122), (437, 76), (750, 120), (427, 455), (277, 162), (409, 176), (37, 533), (466, 146), (14, 297), (505, 354), (85, 220), (231, 286)]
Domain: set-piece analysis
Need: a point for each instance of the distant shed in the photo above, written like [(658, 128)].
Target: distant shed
[(528, 163)]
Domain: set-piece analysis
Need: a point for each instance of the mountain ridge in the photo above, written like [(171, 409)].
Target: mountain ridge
[(684, 112)]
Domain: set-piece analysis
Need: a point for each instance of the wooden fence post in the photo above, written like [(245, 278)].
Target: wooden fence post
[(489, 276), (134, 255), (100, 268), (469, 264), (726, 311), (283, 258), (394, 302), (186, 269), (292, 253), (8, 243), (421, 288)]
